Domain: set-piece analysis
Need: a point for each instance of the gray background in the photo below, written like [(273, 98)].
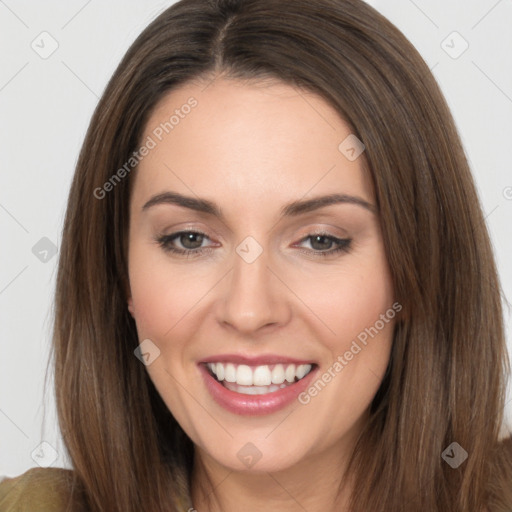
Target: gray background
[(46, 102)]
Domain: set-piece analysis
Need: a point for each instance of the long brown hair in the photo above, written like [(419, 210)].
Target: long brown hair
[(447, 373)]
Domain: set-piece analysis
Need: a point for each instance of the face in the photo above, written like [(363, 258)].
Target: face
[(269, 317)]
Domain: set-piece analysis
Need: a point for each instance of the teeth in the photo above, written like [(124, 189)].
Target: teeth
[(264, 375), (219, 371), (278, 374), (302, 370), (243, 375), (289, 374), (229, 372), (254, 390)]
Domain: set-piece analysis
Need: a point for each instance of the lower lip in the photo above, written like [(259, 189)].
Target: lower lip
[(254, 405)]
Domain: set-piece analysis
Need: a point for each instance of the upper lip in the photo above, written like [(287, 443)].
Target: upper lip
[(255, 360)]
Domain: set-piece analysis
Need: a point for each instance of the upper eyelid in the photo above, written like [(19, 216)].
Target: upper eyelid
[(331, 229)]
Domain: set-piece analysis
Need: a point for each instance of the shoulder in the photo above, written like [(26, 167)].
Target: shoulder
[(47, 488), (500, 476)]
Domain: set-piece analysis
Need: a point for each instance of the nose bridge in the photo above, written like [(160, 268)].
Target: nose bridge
[(254, 297)]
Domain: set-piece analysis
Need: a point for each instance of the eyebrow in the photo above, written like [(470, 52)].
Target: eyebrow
[(292, 209)]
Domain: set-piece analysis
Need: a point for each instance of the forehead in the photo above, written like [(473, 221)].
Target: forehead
[(247, 142)]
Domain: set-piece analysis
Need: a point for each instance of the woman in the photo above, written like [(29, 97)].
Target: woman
[(275, 286)]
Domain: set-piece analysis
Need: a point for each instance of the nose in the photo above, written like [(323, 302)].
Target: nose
[(254, 296)]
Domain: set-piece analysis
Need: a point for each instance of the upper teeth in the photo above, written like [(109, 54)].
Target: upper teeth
[(259, 375)]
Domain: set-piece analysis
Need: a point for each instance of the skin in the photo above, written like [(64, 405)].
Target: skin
[(252, 148)]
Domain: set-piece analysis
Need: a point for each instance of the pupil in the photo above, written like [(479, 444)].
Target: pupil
[(322, 237), (188, 237)]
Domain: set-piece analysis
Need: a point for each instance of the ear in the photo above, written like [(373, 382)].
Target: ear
[(130, 307), (128, 295)]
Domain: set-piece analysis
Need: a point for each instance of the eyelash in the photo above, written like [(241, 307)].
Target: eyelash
[(344, 244)]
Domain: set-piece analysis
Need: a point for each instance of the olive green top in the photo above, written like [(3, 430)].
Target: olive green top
[(47, 490), (41, 489)]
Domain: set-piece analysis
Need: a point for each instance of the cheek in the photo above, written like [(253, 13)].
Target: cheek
[(152, 302), (350, 301), (357, 307), (161, 295), (363, 321)]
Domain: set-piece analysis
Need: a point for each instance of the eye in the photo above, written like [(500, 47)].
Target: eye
[(191, 242), (321, 241)]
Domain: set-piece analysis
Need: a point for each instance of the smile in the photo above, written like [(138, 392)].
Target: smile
[(247, 388), (257, 380)]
